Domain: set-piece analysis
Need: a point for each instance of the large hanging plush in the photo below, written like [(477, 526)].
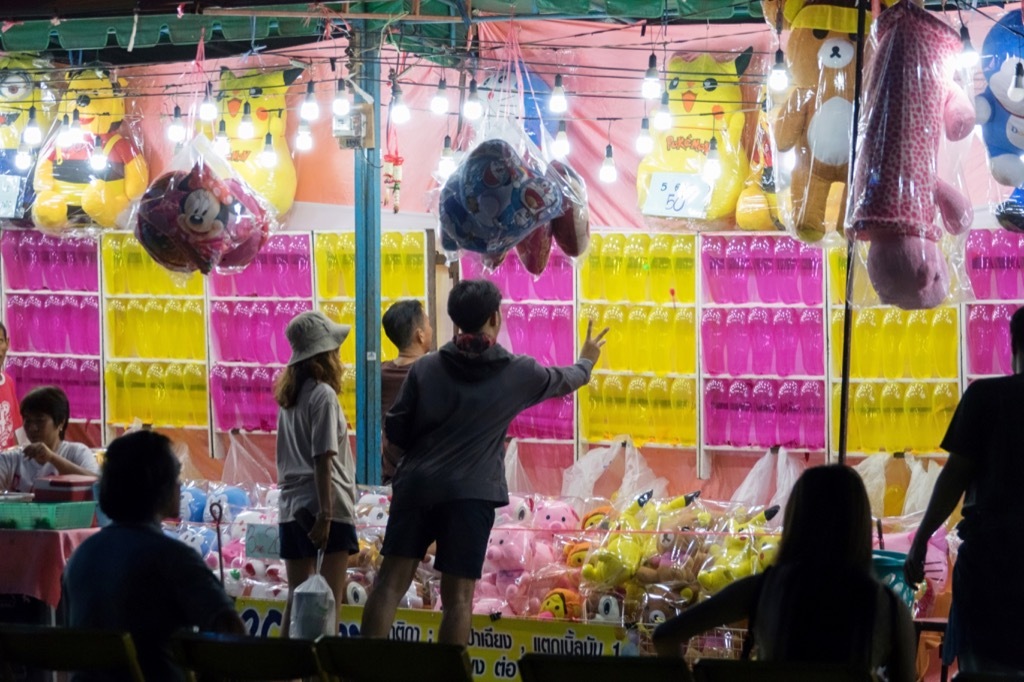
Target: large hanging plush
[(26, 102), (911, 103)]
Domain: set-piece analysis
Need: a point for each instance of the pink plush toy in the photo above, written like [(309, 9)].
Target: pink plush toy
[(509, 552), (911, 101), (518, 511)]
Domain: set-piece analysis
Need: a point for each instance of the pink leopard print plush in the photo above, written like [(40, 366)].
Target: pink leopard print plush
[(911, 100)]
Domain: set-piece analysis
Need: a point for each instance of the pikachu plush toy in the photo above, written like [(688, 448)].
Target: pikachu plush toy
[(90, 172), (26, 103)]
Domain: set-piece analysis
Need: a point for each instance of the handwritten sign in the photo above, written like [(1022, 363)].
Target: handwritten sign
[(677, 195)]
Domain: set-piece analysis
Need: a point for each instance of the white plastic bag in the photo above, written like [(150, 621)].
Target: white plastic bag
[(515, 474), (923, 475), (756, 488), (872, 472), (615, 472), (314, 612), (242, 464), (787, 470)]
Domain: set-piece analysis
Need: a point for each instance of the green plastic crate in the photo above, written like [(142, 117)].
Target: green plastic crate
[(47, 515)]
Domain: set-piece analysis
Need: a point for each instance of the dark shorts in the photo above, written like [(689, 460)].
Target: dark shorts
[(460, 528), (295, 542)]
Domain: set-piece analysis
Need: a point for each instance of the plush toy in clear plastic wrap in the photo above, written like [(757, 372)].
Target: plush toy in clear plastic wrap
[(203, 217), (812, 130), (1000, 109), (694, 175), (495, 199), (571, 229), (758, 206), (255, 115), (26, 112), (911, 104), (736, 551), (93, 169)]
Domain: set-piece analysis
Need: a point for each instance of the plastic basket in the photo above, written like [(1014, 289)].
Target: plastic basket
[(888, 567), (47, 515)]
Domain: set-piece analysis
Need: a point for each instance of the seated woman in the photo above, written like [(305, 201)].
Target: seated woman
[(820, 603), (45, 412)]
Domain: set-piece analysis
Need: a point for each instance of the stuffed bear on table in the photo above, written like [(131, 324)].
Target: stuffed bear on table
[(70, 189), (911, 101)]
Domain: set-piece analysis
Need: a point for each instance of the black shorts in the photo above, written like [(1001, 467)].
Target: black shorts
[(295, 543), (460, 528)]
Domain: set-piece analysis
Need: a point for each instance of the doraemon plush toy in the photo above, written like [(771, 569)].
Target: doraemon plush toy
[(233, 500), (193, 502), (199, 538), (1002, 119)]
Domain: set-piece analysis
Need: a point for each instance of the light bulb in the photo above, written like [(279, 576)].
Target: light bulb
[(64, 134), (644, 142), (778, 78), (23, 159), (968, 56), (76, 128), (246, 130), (268, 157), (560, 147), (713, 164), (221, 143), (208, 109), (473, 108), (400, 113), (608, 173), (446, 164), (97, 159), (557, 103), (33, 134), (310, 109), (303, 138), (176, 130), (342, 105), (1016, 91), (651, 87), (662, 116), (439, 102)]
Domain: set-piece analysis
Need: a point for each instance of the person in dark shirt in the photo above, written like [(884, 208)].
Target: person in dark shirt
[(450, 421), (984, 466), (408, 327), (132, 577)]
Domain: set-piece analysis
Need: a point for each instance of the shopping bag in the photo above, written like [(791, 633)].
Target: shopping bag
[(314, 612)]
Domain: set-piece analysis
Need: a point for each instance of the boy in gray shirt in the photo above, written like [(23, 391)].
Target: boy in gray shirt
[(450, 419)]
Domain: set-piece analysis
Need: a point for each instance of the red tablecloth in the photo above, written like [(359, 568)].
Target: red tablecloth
[(32, 561)]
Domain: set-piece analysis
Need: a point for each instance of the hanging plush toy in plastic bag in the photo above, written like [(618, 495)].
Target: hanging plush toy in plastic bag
[(201, 216), (912, 106), (694, 175), (26, 111), (758, 206), (92, 170), (313, 607)]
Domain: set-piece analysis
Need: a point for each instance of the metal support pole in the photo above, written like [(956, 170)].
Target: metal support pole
[(367, 199), (858, 92)]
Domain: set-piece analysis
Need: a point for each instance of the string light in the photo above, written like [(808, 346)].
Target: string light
[(713, 164), (176, 130), (23, 159), (221, 143), (557, 103), (310, 110), (644, 142), (268, 157), (303, 138), (439, 102), (33, 134), (97, 159), (473, 108), (651, 87), (399, 111), (1016, 91), (968, 56), (342, 104), (246, 130), (560, 146), (64, 134), (208, 109), (446, 164), (608, 173), (778, 78), (662, 116)]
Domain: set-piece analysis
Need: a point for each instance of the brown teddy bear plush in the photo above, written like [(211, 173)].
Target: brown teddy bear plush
[(814, 122)]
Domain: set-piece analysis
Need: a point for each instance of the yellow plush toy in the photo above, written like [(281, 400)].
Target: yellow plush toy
[(256, 101), (93, 169), (25, 102), (758, 205), (739, 554), (706, 104)]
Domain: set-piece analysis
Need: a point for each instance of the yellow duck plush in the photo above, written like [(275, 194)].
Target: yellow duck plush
[(706, 101), (91, 176), (738, 556), (258, 97), (24, 96)]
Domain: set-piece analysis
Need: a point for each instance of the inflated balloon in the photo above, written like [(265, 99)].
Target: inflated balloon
[(494, 200), (535, 250), (571, 229), (199, 220)]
